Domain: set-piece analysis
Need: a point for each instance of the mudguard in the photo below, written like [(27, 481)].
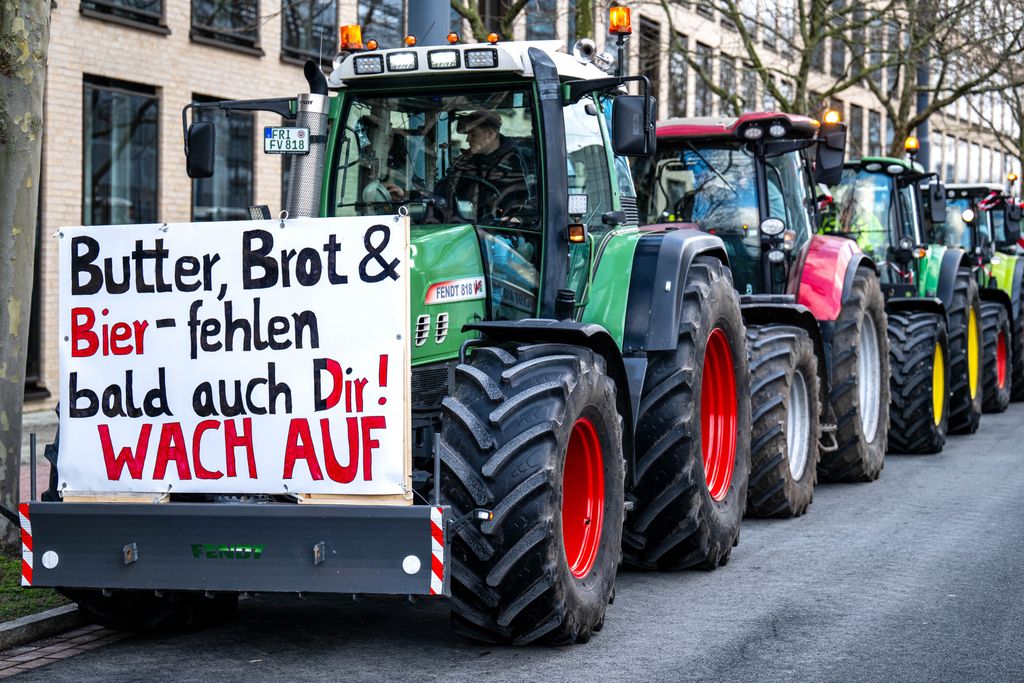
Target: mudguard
[(998, 295), (587, 335), (661, 262), (1009, 272), (952, 261), (923, 304), (825, 274), (759, 309)]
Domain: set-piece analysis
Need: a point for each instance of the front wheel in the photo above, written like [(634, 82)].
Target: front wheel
[(860, 387), (919, 382), (996, 362), (693, 434), (785, 409), (533, 433), (964, 316)]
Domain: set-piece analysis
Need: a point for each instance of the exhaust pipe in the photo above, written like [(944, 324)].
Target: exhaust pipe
[(307, 171)]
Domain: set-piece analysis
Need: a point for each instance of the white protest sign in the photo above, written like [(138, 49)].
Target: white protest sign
[(236, 357)]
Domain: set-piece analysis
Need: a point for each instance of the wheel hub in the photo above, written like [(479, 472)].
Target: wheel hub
[(1001, 359), (582, 498), (938, 384), (973, 356), (798, 423), (869, 377), (718, 414)]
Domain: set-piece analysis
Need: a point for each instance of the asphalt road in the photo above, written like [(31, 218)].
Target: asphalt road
[(918, 576)]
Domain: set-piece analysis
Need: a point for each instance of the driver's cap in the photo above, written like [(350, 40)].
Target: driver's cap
[(481, 117)]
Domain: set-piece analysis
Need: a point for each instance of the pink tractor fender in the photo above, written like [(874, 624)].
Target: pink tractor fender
[(823, 274)]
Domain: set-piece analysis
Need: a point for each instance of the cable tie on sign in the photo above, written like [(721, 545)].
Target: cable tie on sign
[(162, 496), (163, 228), (283, 216)]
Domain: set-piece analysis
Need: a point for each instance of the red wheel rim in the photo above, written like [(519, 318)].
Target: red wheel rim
[(718, 415), (1001, 359), (582, 498)]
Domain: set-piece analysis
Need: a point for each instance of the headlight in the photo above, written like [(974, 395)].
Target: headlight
[(776, 256), (772, 227), (906, 243), (753, 133), (443, 59), (402, 61), (369, 64), (481, 59), (777, 130)]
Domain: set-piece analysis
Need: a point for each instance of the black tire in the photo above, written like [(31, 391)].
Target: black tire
[(964, 408), (914, 339), (677, 523), (505, 432), (995, 324), (128, 610), (860, 456), (783, 379), (1017, 356)]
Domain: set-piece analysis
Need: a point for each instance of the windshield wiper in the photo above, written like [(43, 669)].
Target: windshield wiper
[(713, 169)]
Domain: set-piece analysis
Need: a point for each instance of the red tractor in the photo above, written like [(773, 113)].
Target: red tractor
[(813, 306)]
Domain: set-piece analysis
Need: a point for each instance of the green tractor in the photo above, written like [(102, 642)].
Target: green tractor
[(933, 306), (580, 388), (985, 222)]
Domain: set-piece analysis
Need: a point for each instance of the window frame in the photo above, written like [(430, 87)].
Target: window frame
[(208, 35), (253, 143), (111, 11), (129, 88)]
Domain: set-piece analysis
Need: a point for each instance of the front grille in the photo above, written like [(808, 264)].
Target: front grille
[(429, 385)]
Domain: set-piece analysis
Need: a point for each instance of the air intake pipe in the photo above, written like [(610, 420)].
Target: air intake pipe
[(307, 171)]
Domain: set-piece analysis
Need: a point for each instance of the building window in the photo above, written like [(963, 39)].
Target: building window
[(149, 13), (383, 20), (542, 20), (677, 69), (838, 58), (650, 53), (727, 82), (749, 87), (119, 156), (228, 194), (856, 131), (874, 133), (701, 91), (308, 29), (226, 22)]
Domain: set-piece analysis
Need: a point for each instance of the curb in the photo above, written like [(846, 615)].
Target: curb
[(43, 625)]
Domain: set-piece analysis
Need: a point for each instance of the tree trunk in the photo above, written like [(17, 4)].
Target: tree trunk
[(24, 39)]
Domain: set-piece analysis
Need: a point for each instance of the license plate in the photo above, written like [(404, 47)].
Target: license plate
[(279, 140)]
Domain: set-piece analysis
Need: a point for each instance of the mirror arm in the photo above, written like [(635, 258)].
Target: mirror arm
[(279, 105)]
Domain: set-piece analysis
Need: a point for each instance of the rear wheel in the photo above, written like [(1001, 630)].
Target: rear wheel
[(964, 318), (996, 379), (693, 448), (533, 433), (785, 407), (860, 389), (918, 381)]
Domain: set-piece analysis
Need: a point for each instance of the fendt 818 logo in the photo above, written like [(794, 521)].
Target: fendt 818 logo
[(212, 551)]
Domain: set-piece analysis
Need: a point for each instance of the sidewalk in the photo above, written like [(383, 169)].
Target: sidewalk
[(44, 424)]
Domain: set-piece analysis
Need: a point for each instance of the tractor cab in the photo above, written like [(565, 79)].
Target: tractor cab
[(981, 219), (752, 181), (887, 205)]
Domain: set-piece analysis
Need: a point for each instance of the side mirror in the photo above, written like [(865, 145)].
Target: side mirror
[(633, 125), (937, 202), (831, 152), (199, 149), (1013, 218)]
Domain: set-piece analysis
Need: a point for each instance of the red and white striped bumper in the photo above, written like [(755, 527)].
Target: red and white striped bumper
[(26, 545)]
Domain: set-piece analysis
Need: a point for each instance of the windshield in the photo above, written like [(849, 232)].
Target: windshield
[(713, 186), (955, 232), (455, 158), (864, 207)]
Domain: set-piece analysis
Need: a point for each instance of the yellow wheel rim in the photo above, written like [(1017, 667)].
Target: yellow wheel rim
[(938, 384), (973, 345)]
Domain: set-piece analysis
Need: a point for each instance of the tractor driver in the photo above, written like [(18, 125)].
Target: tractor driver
[(491, 174)]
